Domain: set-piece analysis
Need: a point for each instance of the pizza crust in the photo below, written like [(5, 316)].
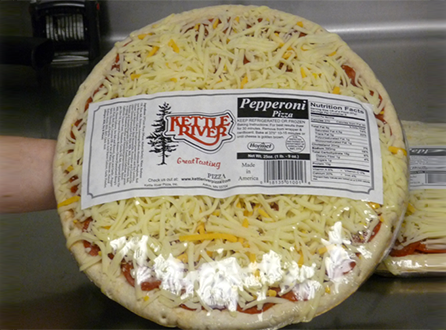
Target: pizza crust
[(279, 315), (414, 265)]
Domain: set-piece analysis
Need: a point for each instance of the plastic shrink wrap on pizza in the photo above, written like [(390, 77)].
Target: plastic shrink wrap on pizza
[(267, 184), (420, 247)]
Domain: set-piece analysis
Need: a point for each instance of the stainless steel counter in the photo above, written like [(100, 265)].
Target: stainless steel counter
[(40, 285)]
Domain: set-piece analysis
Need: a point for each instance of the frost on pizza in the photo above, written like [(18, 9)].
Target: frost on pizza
[(420, 247), (207, 263)]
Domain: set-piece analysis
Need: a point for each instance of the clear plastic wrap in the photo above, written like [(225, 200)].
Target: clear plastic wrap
[(255, 261), (420, 247)]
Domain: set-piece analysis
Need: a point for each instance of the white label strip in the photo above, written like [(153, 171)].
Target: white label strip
[(428, 167), (221, 143)]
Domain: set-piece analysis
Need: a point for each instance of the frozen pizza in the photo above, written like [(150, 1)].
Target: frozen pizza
[(420, 247), (251, 261)]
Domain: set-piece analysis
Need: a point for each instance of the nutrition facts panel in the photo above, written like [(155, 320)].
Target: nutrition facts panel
[(340, 145)]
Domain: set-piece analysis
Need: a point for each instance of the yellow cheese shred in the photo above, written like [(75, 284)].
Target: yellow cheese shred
[(244, 82), (395, 150), (209, 236), (69, 201), (153, 51), (174, 46)]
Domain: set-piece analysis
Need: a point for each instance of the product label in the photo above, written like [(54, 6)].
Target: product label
[(428, 167), (222, 143)]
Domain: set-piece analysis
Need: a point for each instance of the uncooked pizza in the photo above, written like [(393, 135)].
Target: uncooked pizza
[(420, 247), (251, 261)]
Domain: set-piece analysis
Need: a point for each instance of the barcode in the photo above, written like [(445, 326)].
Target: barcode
[(436, 177), (288, 170)]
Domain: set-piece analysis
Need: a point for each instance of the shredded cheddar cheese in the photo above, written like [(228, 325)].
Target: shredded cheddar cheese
[(264, 214), (410, 208), (395, 150), (215, 24), (271, 293), (68, 201), (209, 236), (244, 82), (153, 51), (174, 46), (374, 205)]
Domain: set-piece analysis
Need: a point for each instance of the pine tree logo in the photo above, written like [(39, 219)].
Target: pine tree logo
[(162, 145)]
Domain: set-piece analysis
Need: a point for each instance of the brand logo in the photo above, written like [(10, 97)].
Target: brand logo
[(204, 132), (260, 146)]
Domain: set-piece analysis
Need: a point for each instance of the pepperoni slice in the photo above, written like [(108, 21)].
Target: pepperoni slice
[(86, 223), (251, 310), (380, 116), (423, 248), (375, 231), (352, 265), (187, 308), (291, 296), (275, 206), (357, 238), (408, 249), (116, 64), (149, 286), (126, 268), (351, 73), (90, 99), (74, 188), (94, 249), (414, 248)]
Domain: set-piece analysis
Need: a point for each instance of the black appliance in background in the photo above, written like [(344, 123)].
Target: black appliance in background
[(73, 27)]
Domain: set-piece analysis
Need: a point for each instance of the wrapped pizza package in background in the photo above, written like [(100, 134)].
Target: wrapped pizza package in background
[(235, 249), (420, 248)]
